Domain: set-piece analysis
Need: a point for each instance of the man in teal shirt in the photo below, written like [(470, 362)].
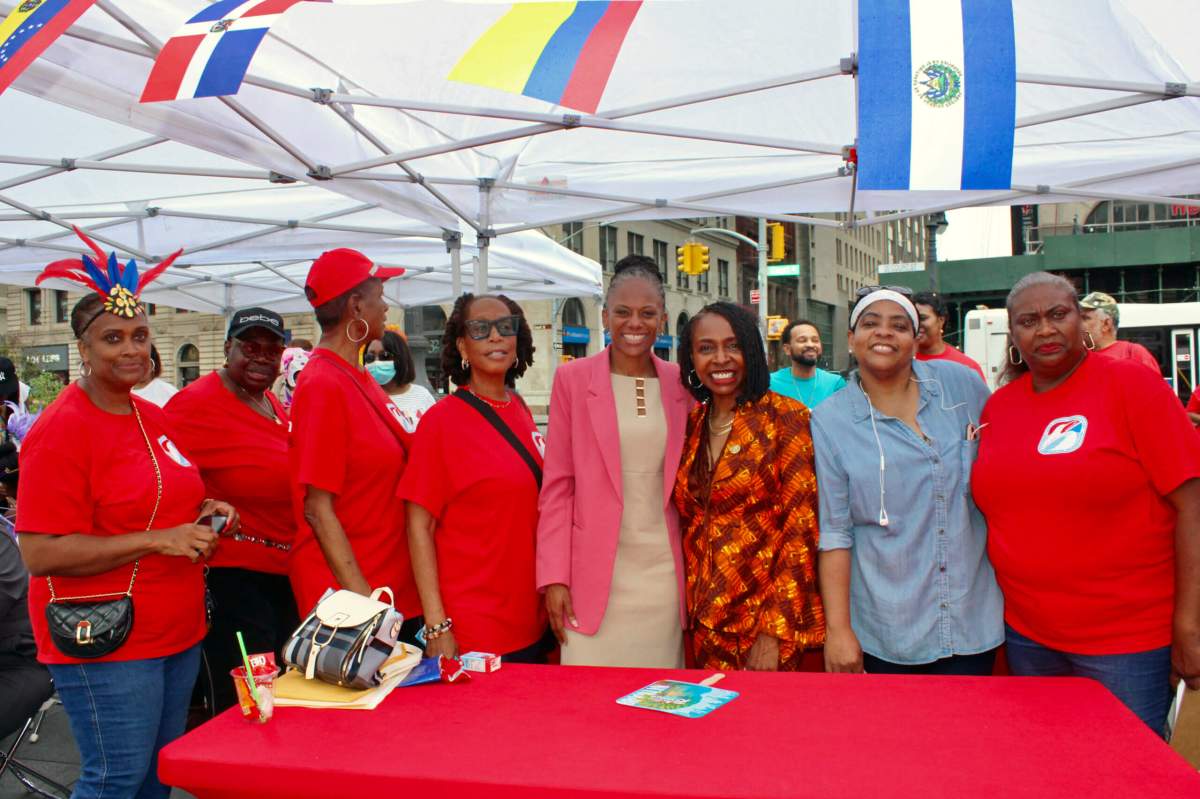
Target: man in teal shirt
[(804, 380)]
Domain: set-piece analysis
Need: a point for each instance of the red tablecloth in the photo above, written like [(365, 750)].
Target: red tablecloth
[(556, 731)]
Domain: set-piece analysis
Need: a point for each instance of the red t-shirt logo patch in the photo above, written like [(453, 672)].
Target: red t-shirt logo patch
[(539, 443), (1064, 434), (168, 446)]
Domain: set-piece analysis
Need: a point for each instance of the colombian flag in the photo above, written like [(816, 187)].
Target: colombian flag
[(559, 52), (30, 29)]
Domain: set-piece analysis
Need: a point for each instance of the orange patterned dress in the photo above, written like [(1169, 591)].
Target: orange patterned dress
[(750, 535)]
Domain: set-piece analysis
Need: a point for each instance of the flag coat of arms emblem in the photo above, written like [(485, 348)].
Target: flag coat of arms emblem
[(210, 54), (936, 94)]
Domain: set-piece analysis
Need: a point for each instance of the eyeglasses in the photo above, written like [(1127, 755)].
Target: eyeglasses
[(370, 357), (865, 290), (252, 349), (479, 329)]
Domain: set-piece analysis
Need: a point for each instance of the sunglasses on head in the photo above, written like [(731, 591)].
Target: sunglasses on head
[(479, 329), (865, 290)]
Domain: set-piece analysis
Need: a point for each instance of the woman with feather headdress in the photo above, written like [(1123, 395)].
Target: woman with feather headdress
[(107, 510)]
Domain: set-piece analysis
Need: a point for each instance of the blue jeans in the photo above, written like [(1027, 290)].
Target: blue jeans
[(1141, 680), (122, 713)]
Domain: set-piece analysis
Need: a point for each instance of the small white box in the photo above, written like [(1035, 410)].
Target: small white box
[(480, 661)]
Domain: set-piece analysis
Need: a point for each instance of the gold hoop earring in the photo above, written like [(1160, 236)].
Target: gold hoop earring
[(366, 330), (466, 365), (1017, 361), (1088, 341), (693, 380), (85, 370)]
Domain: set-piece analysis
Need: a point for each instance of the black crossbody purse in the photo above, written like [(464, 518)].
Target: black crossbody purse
[(495, 421), (92, 629)]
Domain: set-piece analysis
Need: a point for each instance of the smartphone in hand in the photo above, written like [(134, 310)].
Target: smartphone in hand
[(214, 520)]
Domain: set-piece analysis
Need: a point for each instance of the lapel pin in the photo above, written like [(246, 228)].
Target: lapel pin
[(735, 449)]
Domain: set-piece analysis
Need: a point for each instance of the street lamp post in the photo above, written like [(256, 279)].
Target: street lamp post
[(761, 247), (934, 224)]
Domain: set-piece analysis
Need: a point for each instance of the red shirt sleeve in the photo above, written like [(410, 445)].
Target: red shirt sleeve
[(1163, 436), (1143, 356), (54, 494), (427, 481), (320, 434), (1193, 404)]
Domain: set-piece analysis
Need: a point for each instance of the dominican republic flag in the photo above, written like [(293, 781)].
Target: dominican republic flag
[(937, 94), (30, 29), (209, 55)]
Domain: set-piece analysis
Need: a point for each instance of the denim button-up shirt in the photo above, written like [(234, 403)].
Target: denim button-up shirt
[(921, 587)]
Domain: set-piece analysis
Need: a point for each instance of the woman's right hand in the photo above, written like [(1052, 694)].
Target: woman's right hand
[(842, 651), (443, 645), (191, 541), (559, 608)]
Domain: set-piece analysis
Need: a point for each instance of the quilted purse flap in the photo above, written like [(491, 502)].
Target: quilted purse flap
[(348, 609), (103, 617)]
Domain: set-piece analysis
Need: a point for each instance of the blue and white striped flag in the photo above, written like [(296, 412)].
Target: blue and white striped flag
[(937, 94)]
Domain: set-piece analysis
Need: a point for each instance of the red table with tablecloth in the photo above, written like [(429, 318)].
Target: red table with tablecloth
[(556, 731)]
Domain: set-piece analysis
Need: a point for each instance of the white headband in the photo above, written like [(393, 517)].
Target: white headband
[(885, 294)]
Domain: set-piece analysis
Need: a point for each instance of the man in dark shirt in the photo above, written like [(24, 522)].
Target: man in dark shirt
[(24, 683)]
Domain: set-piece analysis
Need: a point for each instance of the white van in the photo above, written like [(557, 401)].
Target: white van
[(1170, 331)]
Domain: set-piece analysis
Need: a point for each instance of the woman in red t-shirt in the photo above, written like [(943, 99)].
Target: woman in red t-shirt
[(108, 507), (348, 448), (1087, 473), (472, 521), (235, 430)]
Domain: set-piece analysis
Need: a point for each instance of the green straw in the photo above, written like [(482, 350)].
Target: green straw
[(249, 673)]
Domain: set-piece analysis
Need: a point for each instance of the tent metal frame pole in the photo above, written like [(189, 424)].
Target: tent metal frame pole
[(442, 149), (298, 223), (453, 241), (138, 168), (43, 242), (483, 240), (45, 216), (15, 243), (1089, 109), (1095, 194), (278, 228), (126, 217), (416, 176), (1166, 89), (280, 274), (65, 165)]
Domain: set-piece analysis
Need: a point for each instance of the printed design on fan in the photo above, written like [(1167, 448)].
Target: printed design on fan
[(172, 451), (540, 443), (1063, 435)]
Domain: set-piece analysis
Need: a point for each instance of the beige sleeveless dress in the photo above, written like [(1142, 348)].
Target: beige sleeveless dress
[(641, 622)]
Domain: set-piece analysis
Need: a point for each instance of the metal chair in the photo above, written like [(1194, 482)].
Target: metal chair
[(33, 780)]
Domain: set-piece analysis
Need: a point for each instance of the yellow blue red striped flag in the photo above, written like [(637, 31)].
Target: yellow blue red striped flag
[(30, 29)]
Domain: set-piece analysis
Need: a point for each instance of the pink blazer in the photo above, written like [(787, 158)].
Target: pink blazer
[(581, 500)]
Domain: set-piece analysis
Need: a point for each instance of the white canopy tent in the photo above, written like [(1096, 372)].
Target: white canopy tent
[(247, 241), (712, 108)]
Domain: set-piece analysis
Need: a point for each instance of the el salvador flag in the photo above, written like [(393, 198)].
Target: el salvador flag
[(937, 94)]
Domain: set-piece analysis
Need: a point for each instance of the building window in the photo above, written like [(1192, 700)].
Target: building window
[(681, 279), (722, 277), (661, 254), (702, 282), (574, 316), (839, 252), (608, 247), (33, 305), (61, 308), (151, 309), (187, 364), (573, 236), (636, 242)]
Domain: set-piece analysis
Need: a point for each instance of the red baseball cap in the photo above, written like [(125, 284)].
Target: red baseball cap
[(338, 271)]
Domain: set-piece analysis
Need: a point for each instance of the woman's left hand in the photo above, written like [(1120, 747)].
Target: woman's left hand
[(1185, 658), (215, 507), (764, 654)]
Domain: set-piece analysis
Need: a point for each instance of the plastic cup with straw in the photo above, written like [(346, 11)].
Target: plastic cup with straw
[(249, 671)]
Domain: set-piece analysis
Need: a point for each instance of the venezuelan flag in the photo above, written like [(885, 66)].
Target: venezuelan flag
[(559, 52), (30, 29)]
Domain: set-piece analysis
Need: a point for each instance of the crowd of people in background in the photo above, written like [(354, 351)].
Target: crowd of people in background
[(710, 513)]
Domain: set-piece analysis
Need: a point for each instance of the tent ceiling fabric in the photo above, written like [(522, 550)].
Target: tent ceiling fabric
[(753, 125)]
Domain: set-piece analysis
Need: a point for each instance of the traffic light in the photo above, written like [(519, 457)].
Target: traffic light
[(775, 237), (700, 258), (683, 258)]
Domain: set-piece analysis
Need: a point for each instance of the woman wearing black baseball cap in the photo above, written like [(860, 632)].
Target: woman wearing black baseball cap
[(348, 448), (236, 432)]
